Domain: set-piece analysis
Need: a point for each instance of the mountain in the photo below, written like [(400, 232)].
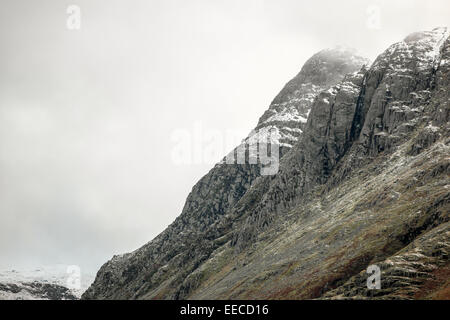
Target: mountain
[(44, 283), (289, 110), (217, 192), (363, 181)]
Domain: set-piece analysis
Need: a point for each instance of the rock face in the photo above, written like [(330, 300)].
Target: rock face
[(364, 181), (419, 271), (177, 248), (289, 110)]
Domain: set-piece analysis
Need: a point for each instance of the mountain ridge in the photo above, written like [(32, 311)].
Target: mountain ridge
[(372, 128)]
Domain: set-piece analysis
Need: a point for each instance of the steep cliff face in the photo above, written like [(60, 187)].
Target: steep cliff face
[(289, 110), (366, 182), (369, 112), (310, 162), (162, 265)]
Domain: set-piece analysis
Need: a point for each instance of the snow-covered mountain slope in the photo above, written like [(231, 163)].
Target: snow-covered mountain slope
[(45, 283), (288, 113)]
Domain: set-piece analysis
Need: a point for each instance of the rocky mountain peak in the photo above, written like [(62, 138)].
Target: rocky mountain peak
[(398, 86), (364, 183), (419, 50), (289, 110), (216, 193), (327, 66)]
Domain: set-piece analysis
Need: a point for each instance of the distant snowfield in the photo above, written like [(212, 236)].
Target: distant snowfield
[(61, 275)]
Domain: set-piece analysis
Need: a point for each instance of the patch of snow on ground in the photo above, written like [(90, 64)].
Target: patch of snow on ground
[(287, 115)]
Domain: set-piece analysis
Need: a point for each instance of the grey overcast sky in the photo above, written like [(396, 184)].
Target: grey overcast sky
[(87, 116)]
